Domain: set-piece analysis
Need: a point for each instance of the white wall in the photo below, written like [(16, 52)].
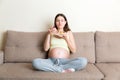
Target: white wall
[(38, 15)]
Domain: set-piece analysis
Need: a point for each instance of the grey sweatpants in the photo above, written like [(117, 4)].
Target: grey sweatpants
[(59, 64)]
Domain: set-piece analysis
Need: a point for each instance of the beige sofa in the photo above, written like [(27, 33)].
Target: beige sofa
[(102, 49)]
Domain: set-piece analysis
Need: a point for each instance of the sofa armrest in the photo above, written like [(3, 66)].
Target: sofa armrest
[(1, 57)]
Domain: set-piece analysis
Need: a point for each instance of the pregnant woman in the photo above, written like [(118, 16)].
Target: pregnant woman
[(60, 43)]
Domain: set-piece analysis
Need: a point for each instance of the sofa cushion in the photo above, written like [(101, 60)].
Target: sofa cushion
[(85, 45), (107, 46), (24, 71), (1, 57), (110, 70), (24, 46)]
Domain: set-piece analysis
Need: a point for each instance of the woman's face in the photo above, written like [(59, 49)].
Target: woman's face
[(60, 22)]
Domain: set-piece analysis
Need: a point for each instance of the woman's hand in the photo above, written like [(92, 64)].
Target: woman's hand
[(52, 30), (62, 35), (65, 35), (58, 35)]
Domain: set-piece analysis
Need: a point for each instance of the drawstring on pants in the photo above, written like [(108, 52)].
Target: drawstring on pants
[(57, 62)]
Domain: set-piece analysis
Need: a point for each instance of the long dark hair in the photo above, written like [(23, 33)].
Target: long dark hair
[(66, 28)]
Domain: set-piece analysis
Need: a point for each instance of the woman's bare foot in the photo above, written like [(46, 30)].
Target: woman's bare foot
[(68, 70)]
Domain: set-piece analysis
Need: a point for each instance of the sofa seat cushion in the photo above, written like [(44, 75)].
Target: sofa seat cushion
[(110, 70), (24, 71)]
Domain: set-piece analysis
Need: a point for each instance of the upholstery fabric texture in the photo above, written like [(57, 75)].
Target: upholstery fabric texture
[(1, 57), (107, 46), (24, 71), (110, 70), (85, 45), (24, 47)]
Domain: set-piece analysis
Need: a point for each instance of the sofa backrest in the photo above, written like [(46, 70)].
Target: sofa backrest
[(85, 45), (26, 46), (107, 46)]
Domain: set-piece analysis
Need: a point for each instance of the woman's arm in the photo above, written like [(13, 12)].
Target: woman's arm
[(51, 31), (47, 42), (70, 41)]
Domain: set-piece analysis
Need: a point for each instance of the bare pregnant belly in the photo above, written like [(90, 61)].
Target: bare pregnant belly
[(58, 53)]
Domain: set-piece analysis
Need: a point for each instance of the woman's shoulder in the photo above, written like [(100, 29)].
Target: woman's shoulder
[(69, 32)]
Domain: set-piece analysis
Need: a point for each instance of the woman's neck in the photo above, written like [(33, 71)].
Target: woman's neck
[(60, 30)]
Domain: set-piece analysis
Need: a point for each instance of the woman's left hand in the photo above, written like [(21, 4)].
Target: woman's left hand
[(58, 35), (65, 35)]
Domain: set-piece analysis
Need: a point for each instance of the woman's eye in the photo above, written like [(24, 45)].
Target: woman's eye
[(60, 21)]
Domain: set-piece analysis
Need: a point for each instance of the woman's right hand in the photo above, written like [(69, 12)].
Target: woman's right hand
[(52, 30)]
